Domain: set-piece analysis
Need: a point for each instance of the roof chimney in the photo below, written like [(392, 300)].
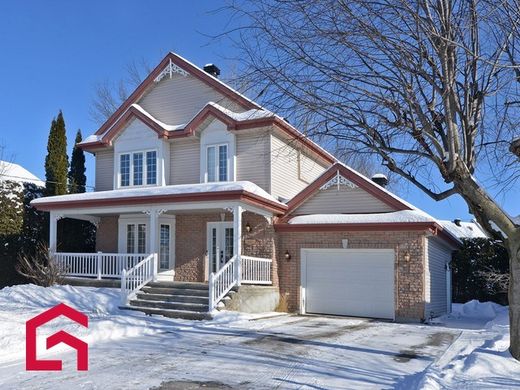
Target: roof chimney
[(380, 179), (212, 69)]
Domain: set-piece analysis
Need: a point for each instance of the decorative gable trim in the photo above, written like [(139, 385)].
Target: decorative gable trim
[(170, 70), (333, 176), (338, 181)]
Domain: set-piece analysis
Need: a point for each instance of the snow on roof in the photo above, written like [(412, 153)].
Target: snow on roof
[(402, 216), (162, 190), (379, 176), (465, 230), (92, 138), (17, 173), (244, 116), (162, 124), (516, 219)]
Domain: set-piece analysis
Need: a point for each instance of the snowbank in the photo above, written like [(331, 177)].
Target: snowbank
[(479, 358), (106, 322)]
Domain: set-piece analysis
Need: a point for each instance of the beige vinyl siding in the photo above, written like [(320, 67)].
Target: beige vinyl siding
[(253, 162), (435, 278), (344, 200), (175, 101), (104, 170), (185, 161), (286, 179)]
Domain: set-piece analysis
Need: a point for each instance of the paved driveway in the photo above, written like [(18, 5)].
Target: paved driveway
[(283, 352)]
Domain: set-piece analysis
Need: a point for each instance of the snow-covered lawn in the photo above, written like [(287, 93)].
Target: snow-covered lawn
[(129, 350)]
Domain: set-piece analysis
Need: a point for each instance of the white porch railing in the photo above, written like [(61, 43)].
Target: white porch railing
[(256, 270), (136, 277), (221, 282), (239, 269), (98, 265)]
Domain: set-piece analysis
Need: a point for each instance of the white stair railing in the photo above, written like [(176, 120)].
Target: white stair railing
[(136, 277), (221, 282), (98, 265), (256, 270)]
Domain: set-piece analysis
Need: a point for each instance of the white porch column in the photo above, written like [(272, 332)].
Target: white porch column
[(237, 240), (153, 231), (53, 231)]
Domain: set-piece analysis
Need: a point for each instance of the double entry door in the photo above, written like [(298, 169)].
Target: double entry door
[(220, 244)]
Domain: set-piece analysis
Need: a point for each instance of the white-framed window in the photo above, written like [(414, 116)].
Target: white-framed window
[(138, 168), (136, 238), (217, 163)]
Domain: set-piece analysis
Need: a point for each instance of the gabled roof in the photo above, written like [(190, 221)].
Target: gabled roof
[(254, 116), (355, 177), (404, 217), (182, 63)]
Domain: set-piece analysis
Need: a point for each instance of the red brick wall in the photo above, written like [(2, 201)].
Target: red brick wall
[(409, 276), (106, 234), (191, 242)]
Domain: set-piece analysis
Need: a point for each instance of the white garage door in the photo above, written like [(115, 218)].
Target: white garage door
[(353, 282)]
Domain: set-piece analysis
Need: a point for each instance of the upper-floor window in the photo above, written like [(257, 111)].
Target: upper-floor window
[(217, 163), (138, 168)]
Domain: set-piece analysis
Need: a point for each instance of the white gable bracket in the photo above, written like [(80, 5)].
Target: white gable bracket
[(338, 181), (170, 70)]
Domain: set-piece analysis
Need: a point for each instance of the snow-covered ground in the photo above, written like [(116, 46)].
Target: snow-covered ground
[(129, 350)]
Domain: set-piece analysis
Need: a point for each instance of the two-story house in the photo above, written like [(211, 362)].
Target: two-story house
[(197, 183)]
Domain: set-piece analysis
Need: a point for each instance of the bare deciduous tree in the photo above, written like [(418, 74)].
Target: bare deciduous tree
[(108, 95), (429, 87)]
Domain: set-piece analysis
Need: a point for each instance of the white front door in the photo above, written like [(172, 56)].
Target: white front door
[(220, 244)]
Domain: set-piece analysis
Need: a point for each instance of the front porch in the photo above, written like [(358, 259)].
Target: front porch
[(215, 233)]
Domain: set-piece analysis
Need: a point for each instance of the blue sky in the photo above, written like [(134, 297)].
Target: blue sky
[(52, 53)]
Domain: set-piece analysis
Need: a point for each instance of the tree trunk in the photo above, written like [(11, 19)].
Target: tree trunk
[(513, 247)]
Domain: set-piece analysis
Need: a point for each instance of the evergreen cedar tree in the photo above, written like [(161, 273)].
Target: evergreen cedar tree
[(56, 161), (77, 178)]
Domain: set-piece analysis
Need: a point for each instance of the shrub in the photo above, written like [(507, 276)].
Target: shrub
[(479, 271)]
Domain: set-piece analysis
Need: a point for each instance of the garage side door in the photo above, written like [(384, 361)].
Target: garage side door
[(353, 282)]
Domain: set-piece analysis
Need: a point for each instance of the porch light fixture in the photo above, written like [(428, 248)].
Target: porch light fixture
[(287, 255), (406, 256), (248, 228)]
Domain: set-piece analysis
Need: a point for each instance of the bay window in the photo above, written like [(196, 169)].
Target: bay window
[(138, 168)]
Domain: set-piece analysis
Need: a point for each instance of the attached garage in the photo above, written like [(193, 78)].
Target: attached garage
[(351, 282)]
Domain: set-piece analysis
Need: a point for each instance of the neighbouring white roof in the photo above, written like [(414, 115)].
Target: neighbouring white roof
[(465, 230), (161, 190), (516, 219), (17, 173), (392, 217)]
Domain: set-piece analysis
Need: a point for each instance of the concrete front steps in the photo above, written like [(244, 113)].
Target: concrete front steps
[(173, 299)]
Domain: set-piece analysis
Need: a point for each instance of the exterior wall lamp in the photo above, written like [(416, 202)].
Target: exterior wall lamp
[(248, 228), (406, 256), (287, 255)]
